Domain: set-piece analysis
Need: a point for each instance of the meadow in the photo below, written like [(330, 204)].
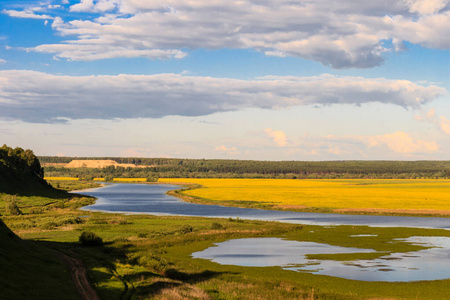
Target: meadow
[(392, 196), (149, 257)]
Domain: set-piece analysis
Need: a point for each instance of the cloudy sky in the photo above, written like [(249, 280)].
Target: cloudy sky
[(247, 79)]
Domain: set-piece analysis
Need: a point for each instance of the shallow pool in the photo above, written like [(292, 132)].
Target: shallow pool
[(429, 264)]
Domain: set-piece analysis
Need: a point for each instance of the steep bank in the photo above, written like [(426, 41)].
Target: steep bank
[(21, 173)]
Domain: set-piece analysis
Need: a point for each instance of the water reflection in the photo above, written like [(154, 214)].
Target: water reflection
[(429, 264)]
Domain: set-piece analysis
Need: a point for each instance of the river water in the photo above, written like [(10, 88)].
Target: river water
[(429, 264), (151, 199)]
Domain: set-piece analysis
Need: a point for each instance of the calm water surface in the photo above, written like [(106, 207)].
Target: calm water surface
[(151, 199), (429, 264)]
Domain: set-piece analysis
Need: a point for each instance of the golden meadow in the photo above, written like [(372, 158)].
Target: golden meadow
[(415, 195)]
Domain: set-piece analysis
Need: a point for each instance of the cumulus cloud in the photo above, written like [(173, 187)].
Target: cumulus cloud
[(27, 14), (401, 142), (39, 97), (439, 121), (226, 150), (279, 137), (341, 33)]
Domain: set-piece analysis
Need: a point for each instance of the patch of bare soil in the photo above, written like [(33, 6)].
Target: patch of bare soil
[(76, 163), (78, 273)]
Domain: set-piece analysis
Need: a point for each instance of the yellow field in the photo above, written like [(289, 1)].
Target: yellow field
[(130, 179), (60, 178), (100, 179), (396, 195)]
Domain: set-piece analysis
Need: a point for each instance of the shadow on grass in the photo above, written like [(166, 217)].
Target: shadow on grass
[(171, 279), (101, 261)]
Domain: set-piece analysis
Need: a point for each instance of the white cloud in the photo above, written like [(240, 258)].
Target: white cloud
[(426, 6), (398, 144), (279, 137), (341, 33), (444, 125), (401, 142), (225, 149), (440, 122), (26, 14), (2, 61), (39, 97), (98, 6), (83, 6)]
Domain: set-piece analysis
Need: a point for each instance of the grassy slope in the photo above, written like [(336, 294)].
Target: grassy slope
[(30, 271)]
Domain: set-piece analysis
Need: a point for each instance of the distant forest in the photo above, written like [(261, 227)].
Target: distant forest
[(219, 168)]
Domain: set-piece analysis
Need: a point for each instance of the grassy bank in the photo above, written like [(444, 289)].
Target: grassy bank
[(148, 257)]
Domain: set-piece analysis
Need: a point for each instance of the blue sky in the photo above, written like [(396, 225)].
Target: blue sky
[(266, 80)]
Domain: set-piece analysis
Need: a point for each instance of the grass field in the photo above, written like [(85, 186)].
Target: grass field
[(417, 196), (149, 257)]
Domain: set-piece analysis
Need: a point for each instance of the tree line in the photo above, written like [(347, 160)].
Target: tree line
[(219, 168), (19, 170)]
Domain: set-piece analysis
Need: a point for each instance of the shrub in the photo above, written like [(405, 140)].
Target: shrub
[(48, 225), (121, 240), (153, 262), (13, 209), (120, 221), (88, 238), (216, 225), (142, 235), (186, 229), (11, 206)]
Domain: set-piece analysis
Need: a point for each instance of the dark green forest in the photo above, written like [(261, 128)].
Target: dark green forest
[(219, 168)]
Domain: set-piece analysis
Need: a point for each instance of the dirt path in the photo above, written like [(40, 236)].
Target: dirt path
[(78, 273)]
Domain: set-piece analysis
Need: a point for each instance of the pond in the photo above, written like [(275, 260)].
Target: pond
[(429, 264), (152, 199)]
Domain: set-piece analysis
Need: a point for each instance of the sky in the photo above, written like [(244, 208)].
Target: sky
[(228, 79)]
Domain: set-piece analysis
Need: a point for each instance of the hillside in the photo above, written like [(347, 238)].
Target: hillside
[(30, 271), (21, 172)]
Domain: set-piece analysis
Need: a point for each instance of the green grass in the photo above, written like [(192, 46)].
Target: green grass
[(147, 257), (30, 271), (73, 185)]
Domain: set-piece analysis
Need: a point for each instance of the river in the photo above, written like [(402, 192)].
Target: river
[(428, 264), (152, 199)]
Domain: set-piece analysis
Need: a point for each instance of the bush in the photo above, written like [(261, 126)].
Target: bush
[(153, 262), (11, 206), (88, 238), (186, 229), (216, 225), (13, 209)]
